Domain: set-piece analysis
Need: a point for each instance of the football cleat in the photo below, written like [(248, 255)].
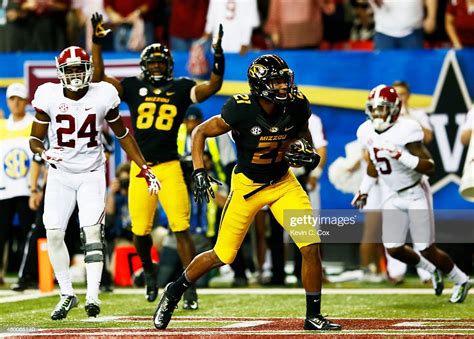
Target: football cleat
[(460, 292), (190, 299), (319, 323), (92, 307), (151, 285), (165, 309), (437, 281), (65, 304)]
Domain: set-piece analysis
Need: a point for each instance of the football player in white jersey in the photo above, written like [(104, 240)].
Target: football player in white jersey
[(72, 113), (400, 159)]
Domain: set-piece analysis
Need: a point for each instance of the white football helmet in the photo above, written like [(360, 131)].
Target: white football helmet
[(68, 65)]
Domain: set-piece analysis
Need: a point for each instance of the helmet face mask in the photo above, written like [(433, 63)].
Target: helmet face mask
[(74, 68), (383, 107), (156, 63), (270, 77)]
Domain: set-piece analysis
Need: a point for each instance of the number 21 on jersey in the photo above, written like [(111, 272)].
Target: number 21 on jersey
[(164, 120)]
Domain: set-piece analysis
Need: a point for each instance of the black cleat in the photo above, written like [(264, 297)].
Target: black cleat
[(165, 309), (190, 299), (437, 281), (151, 285), (65, 304), (92, 307), (320, 324)]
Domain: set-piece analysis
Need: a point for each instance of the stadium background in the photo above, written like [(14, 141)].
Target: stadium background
[(336, 91)]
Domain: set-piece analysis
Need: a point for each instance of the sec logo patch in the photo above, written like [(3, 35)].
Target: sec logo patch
[(256, 130)]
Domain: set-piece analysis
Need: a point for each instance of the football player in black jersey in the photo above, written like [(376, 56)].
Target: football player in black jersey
[(265, 125), (157, 103)]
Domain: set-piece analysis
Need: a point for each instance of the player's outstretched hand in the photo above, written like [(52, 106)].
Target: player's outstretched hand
[(153, 184), (218, 45), (202, 185), (98, 30), (52, 155), (359, 201)]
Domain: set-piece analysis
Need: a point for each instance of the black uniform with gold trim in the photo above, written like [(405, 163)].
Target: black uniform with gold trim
[(157, 113), (262, 176), (262, 140)]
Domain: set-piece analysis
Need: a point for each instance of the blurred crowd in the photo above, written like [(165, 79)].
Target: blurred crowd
[(51, 25)]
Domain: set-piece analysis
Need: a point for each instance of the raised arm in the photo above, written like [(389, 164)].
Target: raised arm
[(207, 88), (98, 34)]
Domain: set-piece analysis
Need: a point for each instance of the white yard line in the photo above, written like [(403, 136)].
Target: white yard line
[(10, 296)]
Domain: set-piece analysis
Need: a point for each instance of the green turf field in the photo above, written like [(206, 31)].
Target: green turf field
[(364, 309)]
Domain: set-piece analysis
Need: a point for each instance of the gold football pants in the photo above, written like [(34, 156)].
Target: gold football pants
[(173, 197), (286, 198)]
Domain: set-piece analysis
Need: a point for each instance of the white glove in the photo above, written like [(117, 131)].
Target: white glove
[(52, 155)]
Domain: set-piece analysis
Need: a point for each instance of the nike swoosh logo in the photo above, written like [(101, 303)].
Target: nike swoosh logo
[(87, 109), (288, 128), (169, 93)]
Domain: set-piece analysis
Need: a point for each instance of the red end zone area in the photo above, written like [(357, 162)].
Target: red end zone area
[(228, 327)]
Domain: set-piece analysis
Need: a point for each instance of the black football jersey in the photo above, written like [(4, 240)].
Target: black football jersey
[(261, 139), (157, 113)]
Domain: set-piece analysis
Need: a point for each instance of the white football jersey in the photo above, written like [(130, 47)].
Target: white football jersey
[(394, 174), (77, 125)]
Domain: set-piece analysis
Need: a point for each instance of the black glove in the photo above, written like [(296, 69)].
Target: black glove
[(218, 65), (202, 185), (301, 153), (98, 30)]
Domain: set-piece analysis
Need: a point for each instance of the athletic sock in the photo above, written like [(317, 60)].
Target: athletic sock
[(425, 264), (65, 283), (143, 245), (177, 288), (313, 304), (93, 275), (458, 276)]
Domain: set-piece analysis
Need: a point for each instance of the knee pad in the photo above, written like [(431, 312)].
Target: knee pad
[(55, 237), (93, 243)]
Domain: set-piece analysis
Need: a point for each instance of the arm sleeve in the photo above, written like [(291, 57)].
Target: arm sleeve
[(40, 100), (230, 113)]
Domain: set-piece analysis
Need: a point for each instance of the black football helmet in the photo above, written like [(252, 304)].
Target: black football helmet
[(266, 70), (157, 53)]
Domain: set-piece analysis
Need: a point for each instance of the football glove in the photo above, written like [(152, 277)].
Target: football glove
[(52, 155), (301, 153), (153, 184), (360, 200), (391, 151), (218, 66), (98, 30), (202, 185)]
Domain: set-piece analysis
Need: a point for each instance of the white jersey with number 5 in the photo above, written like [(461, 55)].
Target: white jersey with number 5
[(76, 125), (396, 175)]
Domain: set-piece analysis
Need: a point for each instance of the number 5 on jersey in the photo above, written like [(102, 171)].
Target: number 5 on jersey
[(164, 120)]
